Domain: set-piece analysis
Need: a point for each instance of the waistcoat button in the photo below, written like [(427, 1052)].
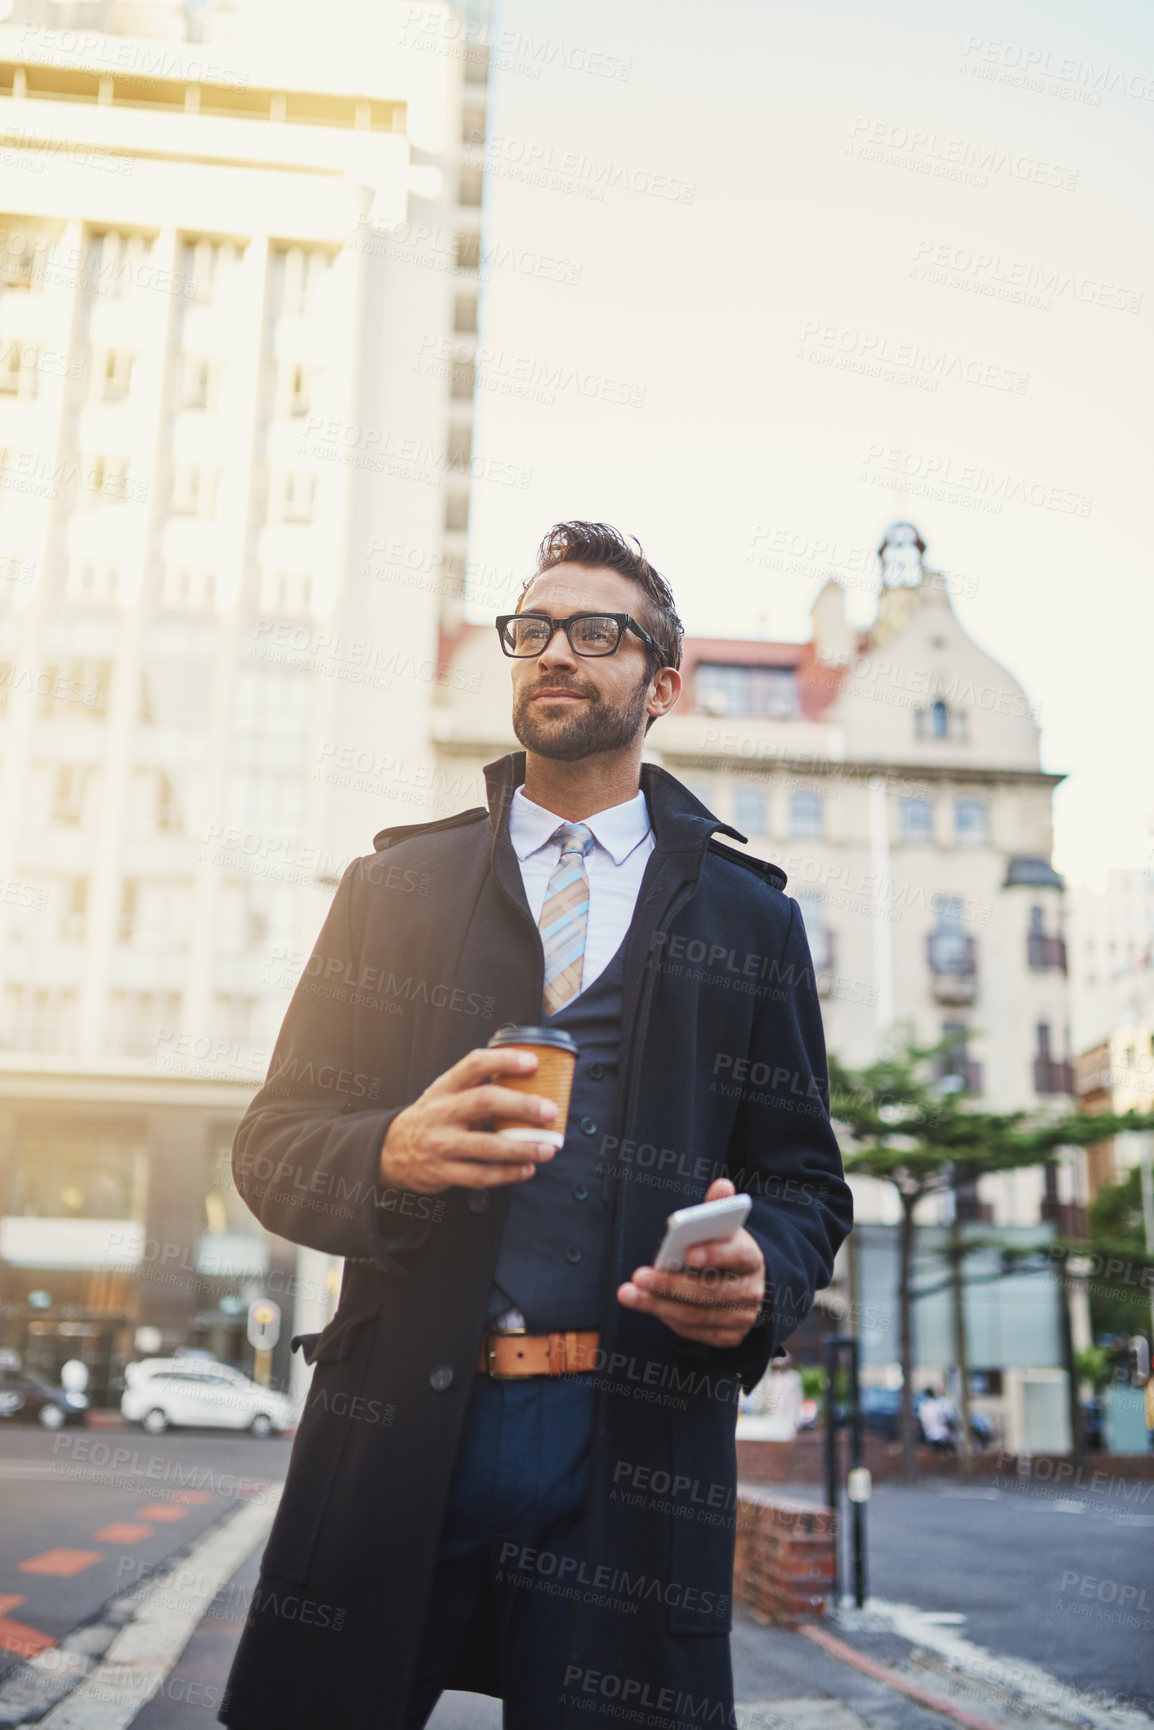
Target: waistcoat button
[(588, 1126), (596, 1071), (572, 1253), (579, 1191), (441, 1378), (478, 1200)]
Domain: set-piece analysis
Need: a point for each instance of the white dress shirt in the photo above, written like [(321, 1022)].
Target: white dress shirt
[(624, 839)]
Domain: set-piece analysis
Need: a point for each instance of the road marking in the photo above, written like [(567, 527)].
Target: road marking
[(18, 1637), (194, 1498), (883, 1673), (146, 1649), (1034, 1687), (161, 1511), (124, 1532), (63, 1563)]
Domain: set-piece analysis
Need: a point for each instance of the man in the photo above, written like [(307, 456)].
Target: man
[(515, 1470)]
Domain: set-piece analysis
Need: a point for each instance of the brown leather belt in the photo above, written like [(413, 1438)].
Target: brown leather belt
[(507, 1355)]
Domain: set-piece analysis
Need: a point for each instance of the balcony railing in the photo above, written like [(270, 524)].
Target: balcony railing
[(1050, 1076), (968, 1071), (953, 960), (1043, 952)]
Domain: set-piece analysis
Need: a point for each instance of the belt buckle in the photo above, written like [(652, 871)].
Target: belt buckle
[(499, 1334)]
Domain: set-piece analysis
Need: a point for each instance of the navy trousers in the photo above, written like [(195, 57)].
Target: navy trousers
[(519, 1487)]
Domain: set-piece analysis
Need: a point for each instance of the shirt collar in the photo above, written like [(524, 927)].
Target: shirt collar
[(618, 830)]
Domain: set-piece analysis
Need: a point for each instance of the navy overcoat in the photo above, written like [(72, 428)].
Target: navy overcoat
[(427, 949)]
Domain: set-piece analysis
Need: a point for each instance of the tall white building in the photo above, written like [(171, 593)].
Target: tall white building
[(1111, 955), (226, 248)]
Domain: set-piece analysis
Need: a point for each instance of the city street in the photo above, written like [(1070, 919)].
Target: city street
[(1015, 1602)]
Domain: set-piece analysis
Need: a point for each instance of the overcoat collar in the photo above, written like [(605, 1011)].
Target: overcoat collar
[(681, 823)]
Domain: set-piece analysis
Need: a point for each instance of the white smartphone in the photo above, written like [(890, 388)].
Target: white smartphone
[(709, 1222)]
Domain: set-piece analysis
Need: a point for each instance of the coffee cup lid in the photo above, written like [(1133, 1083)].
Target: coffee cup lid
[(513, 1035)]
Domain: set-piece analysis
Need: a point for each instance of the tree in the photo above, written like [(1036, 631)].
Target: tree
[(900, 1125)]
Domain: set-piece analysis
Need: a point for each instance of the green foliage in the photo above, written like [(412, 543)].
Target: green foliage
[(1096, 1366)]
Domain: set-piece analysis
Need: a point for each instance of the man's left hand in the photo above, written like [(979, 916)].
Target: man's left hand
[(718, 1299)]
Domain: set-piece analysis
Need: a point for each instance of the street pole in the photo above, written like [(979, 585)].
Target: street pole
[(831, 1484), (1147, 1181)]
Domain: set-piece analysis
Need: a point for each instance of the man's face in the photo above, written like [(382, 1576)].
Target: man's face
[(571, 706)]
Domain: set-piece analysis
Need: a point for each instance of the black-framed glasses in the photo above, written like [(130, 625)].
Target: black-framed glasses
[(589, 634)]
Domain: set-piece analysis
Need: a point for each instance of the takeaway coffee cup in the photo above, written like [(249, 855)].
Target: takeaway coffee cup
[(556, 1056)]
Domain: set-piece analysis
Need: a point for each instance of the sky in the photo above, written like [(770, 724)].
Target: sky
[(766, 277)]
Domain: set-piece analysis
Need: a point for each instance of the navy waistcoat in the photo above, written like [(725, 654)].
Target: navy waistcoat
[(553, 1246)]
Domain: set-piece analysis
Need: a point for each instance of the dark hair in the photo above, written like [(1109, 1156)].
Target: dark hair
[(607, 548)]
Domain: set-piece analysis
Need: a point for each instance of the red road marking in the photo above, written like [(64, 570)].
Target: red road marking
[(18, 1637), (64, 1563), (124, 1532), (161, 1511), (882, 1673)]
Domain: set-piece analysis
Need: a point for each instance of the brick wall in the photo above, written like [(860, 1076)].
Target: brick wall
[(783, 1564)]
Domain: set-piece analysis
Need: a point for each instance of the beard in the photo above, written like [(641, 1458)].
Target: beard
[(587, 731)]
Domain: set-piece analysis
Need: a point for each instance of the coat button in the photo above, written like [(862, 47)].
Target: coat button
[(588, 1126), (441, 1378), (596, 1071), (572, 1253), (579, 1191), (478, 1200)]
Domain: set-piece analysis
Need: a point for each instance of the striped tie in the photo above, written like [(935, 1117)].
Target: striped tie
[(565, 916)]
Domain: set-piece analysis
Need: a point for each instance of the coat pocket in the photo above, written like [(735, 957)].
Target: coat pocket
[(317, 1451), (334, 1341)]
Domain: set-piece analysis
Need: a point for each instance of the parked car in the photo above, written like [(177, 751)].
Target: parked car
[(27, 1398), (198, 1392)]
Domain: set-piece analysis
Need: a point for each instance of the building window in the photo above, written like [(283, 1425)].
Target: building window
[(970, 826), (295, 389), (198, 388), (169, 819), (294, 496), (74, 907), (286, 592), (106, 477), (1042, 950), (749, 810), (127, 921), (468, 250), (114, 264), (460, 449), (72, 1171), (81, 685), (206, 264), (1050, 1075), (915, 820), (470, 186), (19, 369), (301, 274), (939, 721), (456, 511), (767, 692), (153, 912), (138, 1019), (465, 314), (806, 815), (93, 583), (39, 1018), (186, 590), (952, 955), (113, 377), (954, 1065), (195, 487), (69, 794), (463, 379)]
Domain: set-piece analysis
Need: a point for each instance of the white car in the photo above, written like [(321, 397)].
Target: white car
[(163, 1391)]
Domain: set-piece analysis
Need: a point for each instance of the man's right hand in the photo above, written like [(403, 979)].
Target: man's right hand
[(433, 1143)]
